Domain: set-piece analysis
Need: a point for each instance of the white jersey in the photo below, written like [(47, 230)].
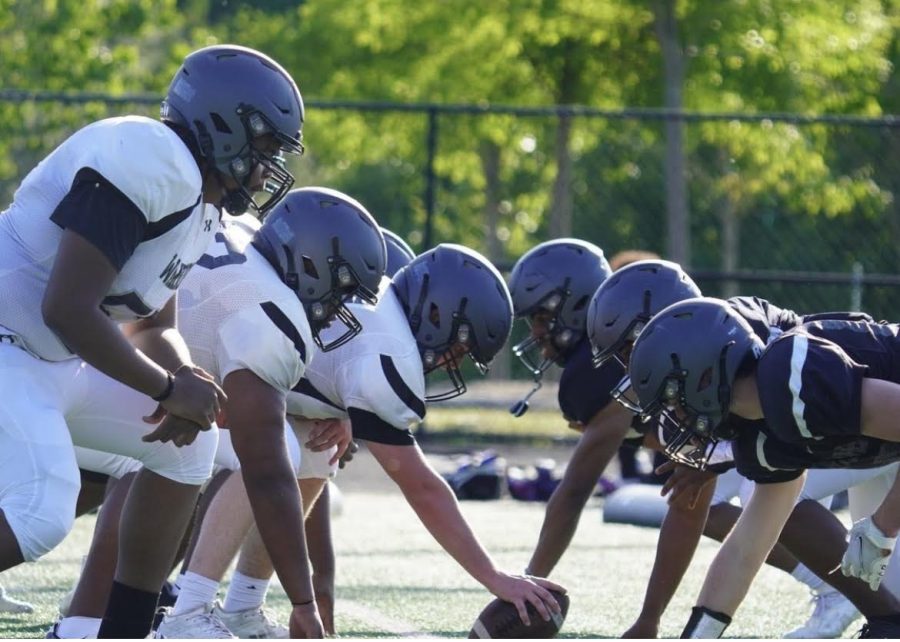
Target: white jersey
[(156, 192), (378, 372), (235, 312)]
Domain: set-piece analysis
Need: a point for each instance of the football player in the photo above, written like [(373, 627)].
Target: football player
[(251, 314), (242, 614), (447, 303), (101, 233), (819, 396), (633, 294)]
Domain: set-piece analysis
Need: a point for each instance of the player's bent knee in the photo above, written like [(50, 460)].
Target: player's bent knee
[(191, 465), (39, 526)]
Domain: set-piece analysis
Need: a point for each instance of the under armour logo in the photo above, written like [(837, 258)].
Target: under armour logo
[(207, 225)]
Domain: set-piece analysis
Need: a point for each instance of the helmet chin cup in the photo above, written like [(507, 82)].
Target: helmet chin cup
[(519, 408)]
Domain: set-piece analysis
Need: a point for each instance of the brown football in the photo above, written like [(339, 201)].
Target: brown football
[(500, 620)]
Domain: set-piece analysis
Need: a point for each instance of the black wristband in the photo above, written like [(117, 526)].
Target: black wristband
[(706, 624), (170, 386), (307, 603)]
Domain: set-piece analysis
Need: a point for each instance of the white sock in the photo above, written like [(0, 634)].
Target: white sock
[(78, 627), (813, 581), (196, 591), (245, 592)]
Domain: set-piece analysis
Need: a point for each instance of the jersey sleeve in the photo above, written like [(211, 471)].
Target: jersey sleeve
[(383, 392), (151, 166), (271, 340), (809, 388), (100, 213), (764, 460)]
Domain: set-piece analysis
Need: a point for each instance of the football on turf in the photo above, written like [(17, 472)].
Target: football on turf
[(500, 620)]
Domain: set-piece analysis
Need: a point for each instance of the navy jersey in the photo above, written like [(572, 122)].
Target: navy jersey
[(583, 389), (810, 388), (768, 321)]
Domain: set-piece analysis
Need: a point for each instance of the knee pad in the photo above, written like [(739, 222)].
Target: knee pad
[(191, 464)]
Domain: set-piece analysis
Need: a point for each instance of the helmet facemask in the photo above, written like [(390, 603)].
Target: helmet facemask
[(242, 167), (447, 355), (530, 350), (620, 349), (322, 312), (689, 436)]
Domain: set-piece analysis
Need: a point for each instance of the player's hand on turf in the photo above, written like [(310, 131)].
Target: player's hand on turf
[(642, 629), (347, 457), (195, 396), (305, 622), (328, 433), (684, 484), (868, 553), (178, 430), (325, 602), (521, 590)]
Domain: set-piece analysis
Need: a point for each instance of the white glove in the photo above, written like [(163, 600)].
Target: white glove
[(868, 553)]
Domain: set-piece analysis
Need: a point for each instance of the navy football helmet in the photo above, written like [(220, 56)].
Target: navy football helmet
[(226, 96), (327, 248), (399, 253), (454, 298), (556, 278), (683, 366)]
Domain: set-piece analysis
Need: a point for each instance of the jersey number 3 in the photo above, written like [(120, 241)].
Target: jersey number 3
[(231, 257)]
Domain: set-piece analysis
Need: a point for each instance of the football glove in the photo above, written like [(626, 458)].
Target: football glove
[(868, 553)]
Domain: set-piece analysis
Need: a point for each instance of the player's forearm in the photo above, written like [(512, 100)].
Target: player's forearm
[(98, 341), (438, 510), (560, 523), (277, 507), (164, 345), (678, 538), (747, 546), (887, 516)]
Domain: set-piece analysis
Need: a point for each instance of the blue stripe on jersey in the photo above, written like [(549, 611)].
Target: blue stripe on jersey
[(304, 387), (403, 391), (284, 324)]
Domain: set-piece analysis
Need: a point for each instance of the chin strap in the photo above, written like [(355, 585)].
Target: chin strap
[(521, 407)]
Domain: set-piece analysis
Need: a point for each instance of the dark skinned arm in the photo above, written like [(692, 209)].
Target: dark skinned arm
[(678, 538), (80, 279), (598, 444), (321, 555), (256, 412)]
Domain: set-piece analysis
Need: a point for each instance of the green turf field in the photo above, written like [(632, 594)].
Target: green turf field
[(394, 581)]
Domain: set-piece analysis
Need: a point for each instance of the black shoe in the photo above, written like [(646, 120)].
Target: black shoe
[(880, 628)]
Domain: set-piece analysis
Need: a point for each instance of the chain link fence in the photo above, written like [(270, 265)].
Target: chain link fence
[(799, 210)]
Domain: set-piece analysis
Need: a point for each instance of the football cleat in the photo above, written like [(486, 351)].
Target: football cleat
[(832, 614), (12, 605), (251, 624), (200, 622)]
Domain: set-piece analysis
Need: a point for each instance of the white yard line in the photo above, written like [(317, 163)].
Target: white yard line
[(379, 620)]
